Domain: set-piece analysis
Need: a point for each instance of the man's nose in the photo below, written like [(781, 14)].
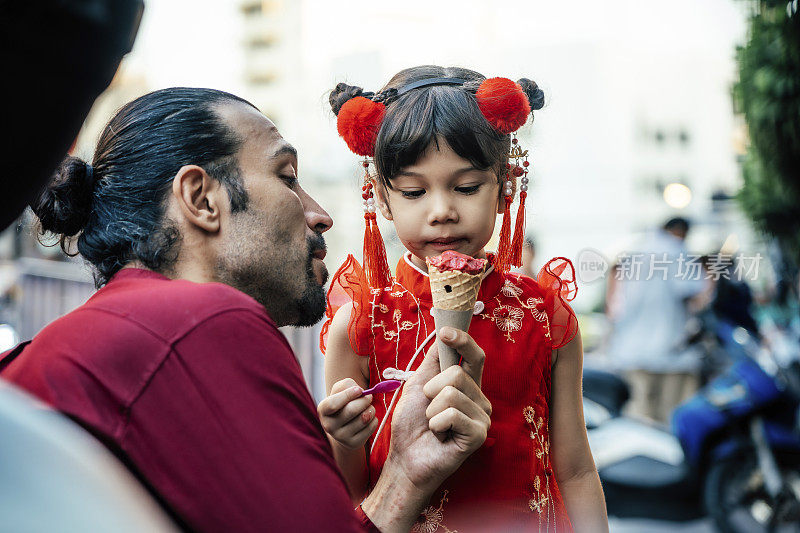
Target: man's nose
[(442, 209), (316, 217)]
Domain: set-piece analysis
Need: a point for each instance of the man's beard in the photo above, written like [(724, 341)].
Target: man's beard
[(311, 305), (263, 275)]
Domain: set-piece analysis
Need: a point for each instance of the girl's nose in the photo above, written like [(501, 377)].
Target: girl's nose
[(442, 209)]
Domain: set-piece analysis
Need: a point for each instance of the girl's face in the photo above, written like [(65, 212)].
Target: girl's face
[(441, 203)]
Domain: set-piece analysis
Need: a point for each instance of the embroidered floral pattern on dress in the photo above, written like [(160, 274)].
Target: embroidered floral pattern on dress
[(541, 501), (431, 519), (540, 315), (534, 305), (510, 290), (404, 325), (507, 319)]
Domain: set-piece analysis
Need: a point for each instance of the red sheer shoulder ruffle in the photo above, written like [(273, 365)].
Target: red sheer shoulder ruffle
[(557, 280), (349, 285)]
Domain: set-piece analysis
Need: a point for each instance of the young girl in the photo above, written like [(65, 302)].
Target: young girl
[(446, 163)]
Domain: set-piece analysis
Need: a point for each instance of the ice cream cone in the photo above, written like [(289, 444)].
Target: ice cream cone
[(454, 293), (453, 289), (455, 319)]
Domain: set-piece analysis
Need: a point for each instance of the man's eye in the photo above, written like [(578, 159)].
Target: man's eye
[(291, 181), (412, 194), (469, 189)]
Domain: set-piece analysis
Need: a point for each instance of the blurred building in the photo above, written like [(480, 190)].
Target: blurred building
[(270, 43)]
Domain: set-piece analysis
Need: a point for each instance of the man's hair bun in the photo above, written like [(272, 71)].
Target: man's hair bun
[(64, 205), (341, 94), (533, 92)]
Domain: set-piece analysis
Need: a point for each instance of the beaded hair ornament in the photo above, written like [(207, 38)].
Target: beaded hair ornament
[(504, 103)]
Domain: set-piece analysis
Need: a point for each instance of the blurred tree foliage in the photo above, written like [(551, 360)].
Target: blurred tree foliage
[(768, 93)]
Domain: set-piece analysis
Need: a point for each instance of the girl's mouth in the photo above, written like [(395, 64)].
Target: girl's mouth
[(446, 244)]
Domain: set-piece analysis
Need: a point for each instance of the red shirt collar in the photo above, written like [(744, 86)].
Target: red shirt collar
[(136, 273)]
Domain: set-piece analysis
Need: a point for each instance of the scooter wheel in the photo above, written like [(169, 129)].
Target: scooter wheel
[(737, 500)]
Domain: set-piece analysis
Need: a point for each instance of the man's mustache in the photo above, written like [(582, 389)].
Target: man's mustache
[(316, 242)]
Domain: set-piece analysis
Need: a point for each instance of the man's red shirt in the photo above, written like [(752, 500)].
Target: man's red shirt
[(196, 389)]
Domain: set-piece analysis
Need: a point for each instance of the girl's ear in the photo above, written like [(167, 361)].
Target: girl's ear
[(501, 200), (501, 203), (382, 200)]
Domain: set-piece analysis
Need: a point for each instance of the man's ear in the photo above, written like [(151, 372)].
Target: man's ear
[(382, 200), (199, 197)]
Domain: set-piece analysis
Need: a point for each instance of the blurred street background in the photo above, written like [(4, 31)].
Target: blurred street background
[(655, 111)]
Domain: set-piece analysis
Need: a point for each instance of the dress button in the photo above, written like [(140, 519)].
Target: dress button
[(478, 308)]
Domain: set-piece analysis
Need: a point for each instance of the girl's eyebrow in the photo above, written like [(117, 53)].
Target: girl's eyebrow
[(409, 173), (465, 169), (418, 175)]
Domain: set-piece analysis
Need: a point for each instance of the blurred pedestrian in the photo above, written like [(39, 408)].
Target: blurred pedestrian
[(732, 300), (528, 257), (647, 342)]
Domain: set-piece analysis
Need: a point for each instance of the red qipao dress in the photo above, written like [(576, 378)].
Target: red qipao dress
[(508, 484)]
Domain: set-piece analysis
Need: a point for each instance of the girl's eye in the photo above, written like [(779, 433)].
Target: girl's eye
[(468, 189), (412, 194)]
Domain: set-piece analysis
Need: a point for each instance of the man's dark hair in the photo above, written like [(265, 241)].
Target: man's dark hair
[(677, 223), (117, 203)]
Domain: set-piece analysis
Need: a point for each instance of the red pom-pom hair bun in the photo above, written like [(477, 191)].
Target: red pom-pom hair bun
[(358, 123), (503, 103)]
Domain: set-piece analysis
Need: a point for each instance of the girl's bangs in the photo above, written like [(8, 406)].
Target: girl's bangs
[(446, 114)]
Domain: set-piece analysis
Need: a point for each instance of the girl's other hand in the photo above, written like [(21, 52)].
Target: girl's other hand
[(346, 416)]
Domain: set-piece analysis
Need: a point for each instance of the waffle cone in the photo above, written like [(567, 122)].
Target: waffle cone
[(454, 290)]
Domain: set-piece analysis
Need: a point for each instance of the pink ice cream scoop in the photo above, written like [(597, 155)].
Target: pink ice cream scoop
[(452, 260)]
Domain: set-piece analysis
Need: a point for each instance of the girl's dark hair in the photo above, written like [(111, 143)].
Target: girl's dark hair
[(117, 203), (422, 116)]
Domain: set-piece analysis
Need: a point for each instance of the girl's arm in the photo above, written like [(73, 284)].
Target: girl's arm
[(574, 467), (342, 363)]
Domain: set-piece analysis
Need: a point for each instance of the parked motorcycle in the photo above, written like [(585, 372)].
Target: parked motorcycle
[(733, 452)]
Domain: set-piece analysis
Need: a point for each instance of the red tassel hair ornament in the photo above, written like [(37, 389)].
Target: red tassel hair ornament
[(506, 107), (519, 227), (503, 260), (509, 250), (358, 123), (376, 265)]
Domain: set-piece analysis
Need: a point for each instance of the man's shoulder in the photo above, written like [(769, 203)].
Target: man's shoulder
[(171, 308)]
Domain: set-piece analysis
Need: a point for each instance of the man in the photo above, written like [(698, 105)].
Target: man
[(649, 299), (204, 242)]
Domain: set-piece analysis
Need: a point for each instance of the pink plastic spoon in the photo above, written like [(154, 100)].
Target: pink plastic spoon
[(387, 385)]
